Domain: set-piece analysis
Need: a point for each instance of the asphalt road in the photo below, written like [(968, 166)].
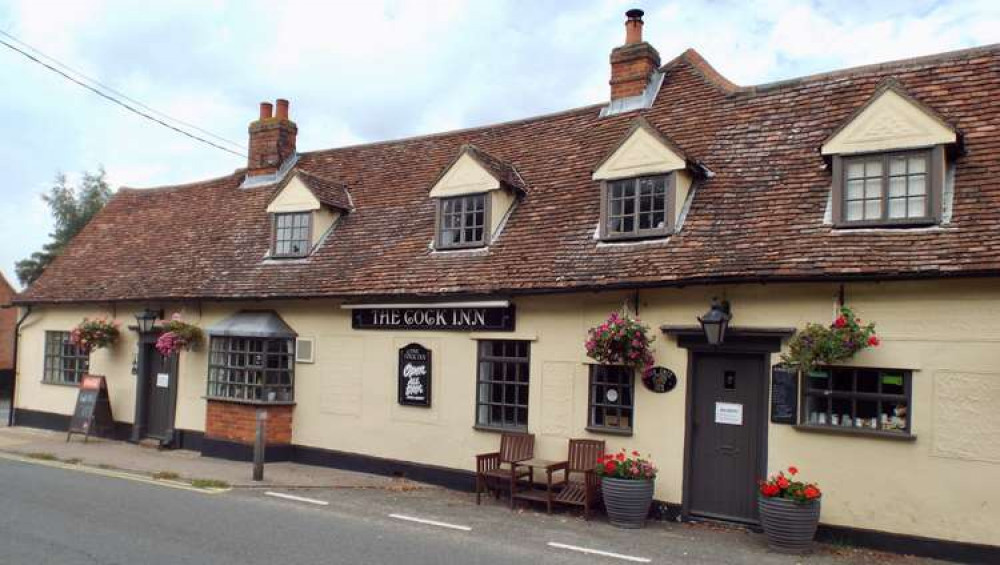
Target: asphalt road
[(50, 515)]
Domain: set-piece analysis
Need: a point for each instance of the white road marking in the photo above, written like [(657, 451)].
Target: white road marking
[(296, 498), (430, 522), (598, 552)]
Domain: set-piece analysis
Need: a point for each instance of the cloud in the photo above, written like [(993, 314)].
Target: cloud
[(366, 71)]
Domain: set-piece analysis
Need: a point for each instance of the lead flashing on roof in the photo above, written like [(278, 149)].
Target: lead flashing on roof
[(638, 102), (258, 181)]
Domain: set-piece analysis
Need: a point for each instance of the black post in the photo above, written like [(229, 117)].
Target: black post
[(258, 445), (141, 392)]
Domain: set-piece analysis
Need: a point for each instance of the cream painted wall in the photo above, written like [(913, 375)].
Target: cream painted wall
[(323, 219), (295, 197), (935, 486), (641, 154), (466, 176), (889, 122), (501, 202)]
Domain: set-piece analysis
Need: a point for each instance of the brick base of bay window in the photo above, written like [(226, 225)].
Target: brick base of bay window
[(237, 422)]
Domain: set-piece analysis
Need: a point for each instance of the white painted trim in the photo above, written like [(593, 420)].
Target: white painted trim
[(600, 552), (482, 304), (430, 522)]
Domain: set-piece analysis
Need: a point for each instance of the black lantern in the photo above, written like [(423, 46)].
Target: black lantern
[(716, 321), (145, 320)]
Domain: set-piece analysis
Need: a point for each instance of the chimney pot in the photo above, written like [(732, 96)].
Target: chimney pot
[(282, 105), (633, 26), (265, 110)]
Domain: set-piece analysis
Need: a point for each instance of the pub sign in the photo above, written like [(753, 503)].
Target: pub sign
[(414, 379), (430, 317)]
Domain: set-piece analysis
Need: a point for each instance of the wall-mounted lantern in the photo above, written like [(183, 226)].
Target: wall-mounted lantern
[(715, 322), (145, 320)]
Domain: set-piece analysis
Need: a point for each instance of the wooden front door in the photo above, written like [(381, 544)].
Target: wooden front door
[(726, 451), (161, 373)]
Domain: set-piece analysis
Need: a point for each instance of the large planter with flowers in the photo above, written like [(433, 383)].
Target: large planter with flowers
[(789, 512), (627, 485)]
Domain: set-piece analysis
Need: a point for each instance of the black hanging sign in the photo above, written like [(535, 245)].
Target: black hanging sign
[(430, 317), (784, 395), (92, 414), (660, 379), (414, 375)]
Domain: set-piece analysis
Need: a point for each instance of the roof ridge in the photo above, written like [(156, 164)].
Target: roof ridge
[(883, 65), (169, 187), (580, 109)]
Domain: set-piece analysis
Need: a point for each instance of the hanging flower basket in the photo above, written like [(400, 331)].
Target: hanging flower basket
[(178, 335), (627, 487), (827, 345), (621, 340), (94, 334), (789, 511)]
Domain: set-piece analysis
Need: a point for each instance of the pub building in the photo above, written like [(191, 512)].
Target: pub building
[(392, 306)]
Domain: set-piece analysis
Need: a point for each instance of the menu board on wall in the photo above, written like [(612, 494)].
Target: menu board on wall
[(784, 395), (414, 379)]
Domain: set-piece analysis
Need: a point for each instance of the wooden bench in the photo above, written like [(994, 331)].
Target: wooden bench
[(580, 485), (499, 470)]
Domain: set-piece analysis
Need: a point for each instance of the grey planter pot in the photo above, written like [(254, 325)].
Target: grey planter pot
[(626, 501), (790, 526)]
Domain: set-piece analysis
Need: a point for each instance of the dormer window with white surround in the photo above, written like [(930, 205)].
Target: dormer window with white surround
[(474, 195), (644, 181), (303, 210), (889, 162)]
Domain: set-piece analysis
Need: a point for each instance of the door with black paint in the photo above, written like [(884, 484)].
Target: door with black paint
[(162, 390), (727, 452)]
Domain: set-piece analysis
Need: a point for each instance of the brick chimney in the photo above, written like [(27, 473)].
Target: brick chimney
[(632, 63), (272, 139)]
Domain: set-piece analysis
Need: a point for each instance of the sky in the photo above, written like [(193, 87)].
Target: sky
[(357, 72)]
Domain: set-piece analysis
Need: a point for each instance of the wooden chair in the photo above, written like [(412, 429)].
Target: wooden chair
[(581, 486), (499, 469)]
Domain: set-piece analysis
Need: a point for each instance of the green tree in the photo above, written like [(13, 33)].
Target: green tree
[(72, 207)]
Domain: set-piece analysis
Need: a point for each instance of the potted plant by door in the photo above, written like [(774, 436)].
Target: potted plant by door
[(627, 486), (789, 511)]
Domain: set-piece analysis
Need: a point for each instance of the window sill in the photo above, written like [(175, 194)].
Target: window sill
[(857, 432), (609, 431), (499, 430), (57, 383), (250, 402)]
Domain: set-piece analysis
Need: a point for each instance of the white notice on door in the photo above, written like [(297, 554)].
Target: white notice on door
[(163, 380), (729, 413)]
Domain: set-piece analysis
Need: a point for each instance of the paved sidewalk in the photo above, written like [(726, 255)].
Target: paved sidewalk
[(96, 452)]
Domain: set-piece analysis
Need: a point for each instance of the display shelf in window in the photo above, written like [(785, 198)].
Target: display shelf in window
[(858, 399)]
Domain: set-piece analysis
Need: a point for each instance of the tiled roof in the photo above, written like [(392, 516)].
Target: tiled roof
[(502, 171), (757, 217), (328, 192)]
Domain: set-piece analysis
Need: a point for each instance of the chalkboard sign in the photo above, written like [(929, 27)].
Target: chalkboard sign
[(784, 395), (93, 409), (415, 375)]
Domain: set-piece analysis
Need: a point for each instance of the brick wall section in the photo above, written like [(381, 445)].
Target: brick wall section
[(631, 66), (238, 422), (8, 319), (272, 140)]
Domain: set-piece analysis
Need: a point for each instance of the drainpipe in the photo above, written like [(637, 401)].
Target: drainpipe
[(17, 338)]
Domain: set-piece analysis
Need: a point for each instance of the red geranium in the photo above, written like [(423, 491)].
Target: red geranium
[(840, 322), (873, 341), (622, 466), (780, 486)]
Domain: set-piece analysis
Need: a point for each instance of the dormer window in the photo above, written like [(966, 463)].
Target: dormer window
[(889, 162), (303, 210), (292, 234), (462, 221), (637, 207), (644, 181), (889, 188), (473, 197)]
